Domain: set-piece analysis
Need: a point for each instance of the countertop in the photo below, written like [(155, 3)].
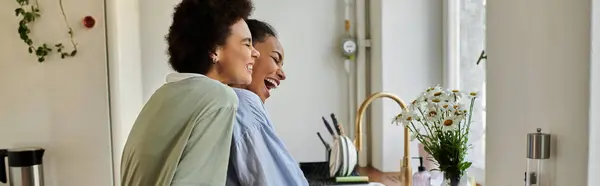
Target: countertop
[(387, 179)]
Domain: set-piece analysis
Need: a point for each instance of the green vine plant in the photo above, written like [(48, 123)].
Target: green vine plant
[(29, 13)]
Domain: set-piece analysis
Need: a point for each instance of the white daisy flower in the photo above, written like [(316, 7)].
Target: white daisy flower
[(415, 105), (405, 118), (435, 88), (446, 106), (473, 94), (432, 92), (398, 120), (456, 95), (458, 106), (432, 114), (450, 123)]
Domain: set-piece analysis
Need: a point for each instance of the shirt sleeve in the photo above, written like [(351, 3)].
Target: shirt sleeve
[(206, 154), (258, 156), (258, 161), (245, 157)]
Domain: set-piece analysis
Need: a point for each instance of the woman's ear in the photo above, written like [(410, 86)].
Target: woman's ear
[(216, 56)]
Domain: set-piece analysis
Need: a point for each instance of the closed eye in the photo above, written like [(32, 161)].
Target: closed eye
[(277, 61), (277, 58), (247, 41)]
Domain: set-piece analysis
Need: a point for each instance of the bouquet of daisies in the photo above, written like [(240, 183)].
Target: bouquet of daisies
[(440, 121)]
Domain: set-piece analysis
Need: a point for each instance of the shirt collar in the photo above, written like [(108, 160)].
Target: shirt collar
[(173, 77)]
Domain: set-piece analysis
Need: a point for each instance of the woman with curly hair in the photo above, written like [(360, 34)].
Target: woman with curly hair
[(183, 134)]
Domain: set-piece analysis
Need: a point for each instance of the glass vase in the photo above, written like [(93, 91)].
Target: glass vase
[(464, 180)]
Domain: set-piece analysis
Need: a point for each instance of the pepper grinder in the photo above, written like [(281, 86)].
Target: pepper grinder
[(538, 151)]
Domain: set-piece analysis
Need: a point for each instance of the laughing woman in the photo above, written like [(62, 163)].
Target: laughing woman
[(183, 134), (258, 156)]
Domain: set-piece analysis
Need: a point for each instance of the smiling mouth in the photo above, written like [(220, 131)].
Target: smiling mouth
[(271, 83), (249, 67)]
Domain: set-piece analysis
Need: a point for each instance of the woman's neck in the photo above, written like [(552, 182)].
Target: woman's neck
[(239, 86), (245, 87), (213, 74)]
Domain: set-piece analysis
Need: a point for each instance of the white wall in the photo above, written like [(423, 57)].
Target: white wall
[(538, 76), (406, 59), (60, 105), (155, 19)]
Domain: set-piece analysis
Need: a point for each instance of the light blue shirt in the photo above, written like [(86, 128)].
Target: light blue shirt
[(258, 157)]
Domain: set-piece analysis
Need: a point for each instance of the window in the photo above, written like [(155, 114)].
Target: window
[(464, 25)]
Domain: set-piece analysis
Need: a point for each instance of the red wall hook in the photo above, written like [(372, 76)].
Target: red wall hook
[(89, 22)]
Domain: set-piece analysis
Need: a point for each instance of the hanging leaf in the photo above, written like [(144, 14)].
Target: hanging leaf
[(19, 11), (482, 56)]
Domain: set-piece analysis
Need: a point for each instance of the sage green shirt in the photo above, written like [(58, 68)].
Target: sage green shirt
[(182, 136)]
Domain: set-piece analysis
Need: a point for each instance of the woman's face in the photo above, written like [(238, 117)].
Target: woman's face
[(236, 58), (268, 72)]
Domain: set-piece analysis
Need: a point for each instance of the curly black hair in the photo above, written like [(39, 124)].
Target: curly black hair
[(260, 30), (198, 28)]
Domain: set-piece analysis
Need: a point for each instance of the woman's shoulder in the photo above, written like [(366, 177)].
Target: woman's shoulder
[(251, 112), (206, 90), (248, 99)]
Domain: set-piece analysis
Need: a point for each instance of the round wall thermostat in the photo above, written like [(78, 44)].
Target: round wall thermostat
[(349, 47)]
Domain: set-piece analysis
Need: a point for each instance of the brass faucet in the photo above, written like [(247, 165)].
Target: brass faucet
[(405, 169)]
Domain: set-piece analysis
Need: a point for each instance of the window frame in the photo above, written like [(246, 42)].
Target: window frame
[(451, 64), (451, 44)]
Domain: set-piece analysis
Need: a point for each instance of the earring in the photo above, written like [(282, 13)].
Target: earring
[(215, 61)]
